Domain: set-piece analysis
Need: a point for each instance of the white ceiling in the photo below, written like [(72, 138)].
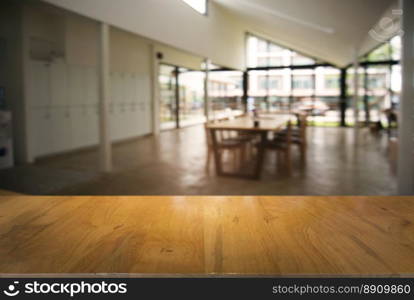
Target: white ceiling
[(330, 30)]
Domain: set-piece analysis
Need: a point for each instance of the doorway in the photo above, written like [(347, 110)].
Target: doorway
[(181, 97)]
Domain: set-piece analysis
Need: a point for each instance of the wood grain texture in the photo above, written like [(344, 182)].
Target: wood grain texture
[(207, 235)]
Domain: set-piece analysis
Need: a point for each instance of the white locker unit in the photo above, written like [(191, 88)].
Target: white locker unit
[(76, 85), (123, 88), (116, 88), (116, 123), (39, 91), (132, 123), (63, 106), (145, 105), (132, 94), (78, 127), (41, 140), (57, 83), (61, 130), (92, 126), (91, 86)]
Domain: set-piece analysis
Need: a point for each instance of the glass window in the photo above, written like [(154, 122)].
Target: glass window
[(381, 53), (298, 59), (270, 82), (262, 62), (396, 47), (275, 61), (225, 94), (376, 81), (262, 53), (331, 81), (350, 79), (191, 102), (275, 49), (302, 82), (275, 82), (261, 45), (262, 83), (167, 82)]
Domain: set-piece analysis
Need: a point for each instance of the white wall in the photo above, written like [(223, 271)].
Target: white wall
[(219, 36), (62, 93), (130, 105)]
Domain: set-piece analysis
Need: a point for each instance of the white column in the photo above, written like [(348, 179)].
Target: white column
[(206, 94), (356, 88), (406, 113), (155, 92), (105, 156)]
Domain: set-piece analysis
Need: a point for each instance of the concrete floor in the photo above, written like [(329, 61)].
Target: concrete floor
[(174, 164)]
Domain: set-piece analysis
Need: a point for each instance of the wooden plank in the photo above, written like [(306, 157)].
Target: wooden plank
[(207, 235)]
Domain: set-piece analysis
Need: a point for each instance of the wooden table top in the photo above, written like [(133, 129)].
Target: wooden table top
[(266, 123), (207, 235)]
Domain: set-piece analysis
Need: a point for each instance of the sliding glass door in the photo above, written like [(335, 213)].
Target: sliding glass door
[(182, 97), (191, 104), (168, 99)]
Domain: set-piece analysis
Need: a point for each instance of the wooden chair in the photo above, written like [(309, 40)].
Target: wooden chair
[(224, 143), (298, 135), (282, 145), (246, 138)]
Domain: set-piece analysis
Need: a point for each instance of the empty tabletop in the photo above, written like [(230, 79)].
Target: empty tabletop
[(207, 235), (266, 123)]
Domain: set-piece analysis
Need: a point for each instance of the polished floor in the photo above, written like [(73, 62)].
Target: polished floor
[(339, 162)]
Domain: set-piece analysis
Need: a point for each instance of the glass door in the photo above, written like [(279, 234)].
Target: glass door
[(168, 97), (191, 94), (181, 97)]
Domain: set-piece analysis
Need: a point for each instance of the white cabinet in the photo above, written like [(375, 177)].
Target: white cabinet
[(41, 142), (145, 104), (39, 91), (76, 85), (115, 88), (79, 127), (91, 86), (58, 82), (61, 130), (63, 106), (122, 88), (114, 122), (92, 126)]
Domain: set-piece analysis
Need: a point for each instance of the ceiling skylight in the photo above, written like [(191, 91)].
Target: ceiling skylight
[(198, 5)]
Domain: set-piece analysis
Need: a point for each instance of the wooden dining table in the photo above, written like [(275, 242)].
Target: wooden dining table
[(266, 123)]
